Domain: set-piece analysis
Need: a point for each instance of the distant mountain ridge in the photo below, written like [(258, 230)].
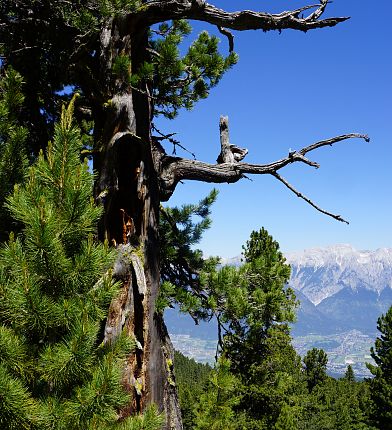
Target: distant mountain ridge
[(320, 273), (339, 287), (342, 292)]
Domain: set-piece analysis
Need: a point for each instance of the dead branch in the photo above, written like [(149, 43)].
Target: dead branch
[(307, 200), (157, 11), (229, 35), (229, 170)]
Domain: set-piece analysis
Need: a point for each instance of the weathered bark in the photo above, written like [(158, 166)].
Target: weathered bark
[(127, 186), (158, 11)]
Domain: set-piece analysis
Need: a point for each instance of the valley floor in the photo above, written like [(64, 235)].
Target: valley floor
[(351, 347)]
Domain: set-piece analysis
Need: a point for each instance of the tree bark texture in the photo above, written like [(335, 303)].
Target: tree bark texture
[(127, 186)]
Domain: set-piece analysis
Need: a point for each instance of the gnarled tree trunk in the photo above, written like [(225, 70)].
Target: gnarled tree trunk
[(127, 186)]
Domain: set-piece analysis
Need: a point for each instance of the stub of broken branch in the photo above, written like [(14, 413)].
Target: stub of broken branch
[(225, 156), (229, 153)]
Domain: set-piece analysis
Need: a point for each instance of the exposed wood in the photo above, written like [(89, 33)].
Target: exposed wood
[(226, 156), (127, 186), (229, 153)]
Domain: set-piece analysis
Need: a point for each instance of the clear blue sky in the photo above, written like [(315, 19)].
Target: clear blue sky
[(287, 91)]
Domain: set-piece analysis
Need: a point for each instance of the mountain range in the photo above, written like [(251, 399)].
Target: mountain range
[(340, 288), (342, 292)]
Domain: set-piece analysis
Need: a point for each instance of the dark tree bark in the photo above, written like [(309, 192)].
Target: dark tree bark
[(127, 186)]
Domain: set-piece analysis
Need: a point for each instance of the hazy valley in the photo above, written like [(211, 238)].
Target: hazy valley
[(341, 291)]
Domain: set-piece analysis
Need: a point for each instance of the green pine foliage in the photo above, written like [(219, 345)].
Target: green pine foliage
[(315, 367), (181, 81), (336, 404), (349, 374), (381, 384), (178, 73), (250, 300), (215, 409), (253, 306), (181, 229), (55, 289), (191, 379), (116, 7), (13, 136), (259, 381)]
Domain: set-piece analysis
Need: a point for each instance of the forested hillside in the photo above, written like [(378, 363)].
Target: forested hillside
[(321, 402)]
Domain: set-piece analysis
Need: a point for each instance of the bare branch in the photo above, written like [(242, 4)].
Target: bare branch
[(330, 142), (229, 170), (229, 35), (157, 11), (307, 200), (320, 10)]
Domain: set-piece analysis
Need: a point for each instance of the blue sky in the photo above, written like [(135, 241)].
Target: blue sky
[(287, 91)]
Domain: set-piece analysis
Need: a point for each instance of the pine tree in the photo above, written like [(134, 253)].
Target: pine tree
[(315, 367), (216, 406), (349, 374), (381, 384), (253, 306), (251, 300), (55, 289), (124, 58), (13, 136)]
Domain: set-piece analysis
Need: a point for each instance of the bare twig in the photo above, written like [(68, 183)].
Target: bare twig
[(229, 35), (25, 48), (307, 200), (174, 142)]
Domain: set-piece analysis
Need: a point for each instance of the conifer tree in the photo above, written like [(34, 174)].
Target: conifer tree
[(253, 307), (123, 56), (315, 367), (216, 406), (13, 136), (381, 384), (349, 374), (55, 288)]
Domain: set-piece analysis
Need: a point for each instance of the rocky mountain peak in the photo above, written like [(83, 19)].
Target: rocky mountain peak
[(320, 273)]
